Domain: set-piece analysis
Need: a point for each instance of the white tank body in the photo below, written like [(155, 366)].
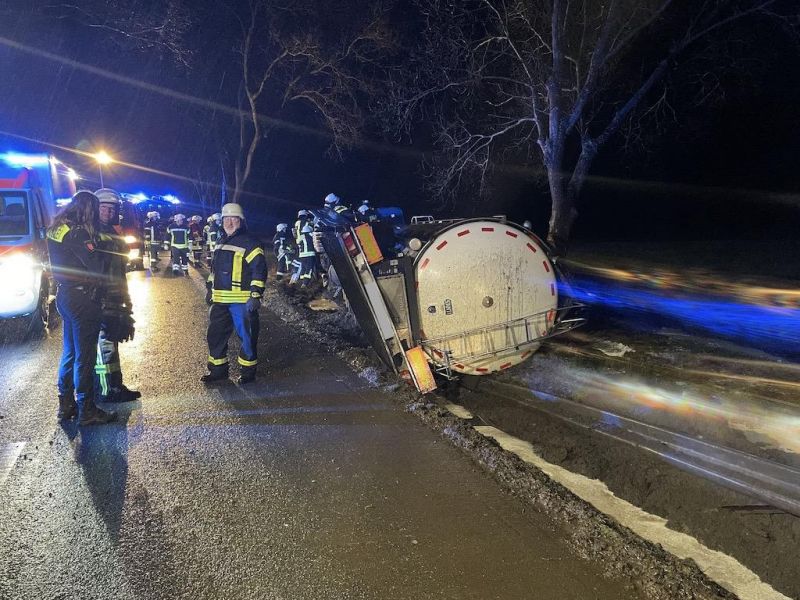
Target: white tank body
[(486, 290)]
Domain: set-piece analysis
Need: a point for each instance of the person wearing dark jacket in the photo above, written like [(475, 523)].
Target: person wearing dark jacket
[(117, 308), (234, 291), (78, 268), (283, 246)]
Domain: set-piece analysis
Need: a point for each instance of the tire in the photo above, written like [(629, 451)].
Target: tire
[(40, 318)]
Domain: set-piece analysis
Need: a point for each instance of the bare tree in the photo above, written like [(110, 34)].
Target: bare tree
[(289, 56), (559, 79), (159, 26)]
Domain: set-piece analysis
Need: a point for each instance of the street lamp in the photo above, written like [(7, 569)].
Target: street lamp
[(102, 158)]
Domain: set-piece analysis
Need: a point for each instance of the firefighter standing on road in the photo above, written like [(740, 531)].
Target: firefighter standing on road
[(235, 288), (78, 268), (196, 239), (179, 245), (117, 309), (152, 231), (210, 235)]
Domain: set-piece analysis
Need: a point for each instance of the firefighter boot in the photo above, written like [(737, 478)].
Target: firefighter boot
[(214, 376), (67, 407), (122, 394), (248, 376), (92, 415)]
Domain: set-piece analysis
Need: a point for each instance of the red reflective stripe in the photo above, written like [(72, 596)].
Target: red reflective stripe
[(459, 366), (505, 366), (511, 233), (424, 263), (546, 266), (489, 229), (526, 353), (442, 245), (463, 233), (552, 289), (481, 369), (531, 247)]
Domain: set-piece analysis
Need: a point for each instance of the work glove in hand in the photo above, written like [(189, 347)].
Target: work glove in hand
[(253, 304)]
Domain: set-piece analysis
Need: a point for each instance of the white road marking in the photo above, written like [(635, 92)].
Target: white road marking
[(8, 457), (725, 570), (459, 411)]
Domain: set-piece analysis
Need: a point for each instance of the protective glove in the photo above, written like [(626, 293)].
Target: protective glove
[(253, 304), (209, 301)]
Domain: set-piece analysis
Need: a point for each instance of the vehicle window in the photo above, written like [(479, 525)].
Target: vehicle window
[(14, 213)]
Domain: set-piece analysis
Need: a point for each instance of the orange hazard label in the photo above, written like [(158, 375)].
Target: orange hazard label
[(368, 243)]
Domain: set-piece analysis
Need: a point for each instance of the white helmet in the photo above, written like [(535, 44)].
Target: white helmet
[(152, 214), (302, 213), (180, 217), (108, 196), (196, 218), (307, 229), (231, 209), (281, 227), (217, 217), (331, 199), (363, 208)]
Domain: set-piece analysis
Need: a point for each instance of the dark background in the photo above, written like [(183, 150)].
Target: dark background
[(724, 171)]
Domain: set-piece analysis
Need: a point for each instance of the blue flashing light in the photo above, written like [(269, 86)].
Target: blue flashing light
[(29, 161), (171, 198), (62, 202)]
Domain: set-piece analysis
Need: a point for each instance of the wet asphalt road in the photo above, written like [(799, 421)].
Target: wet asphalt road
[(308, 484)]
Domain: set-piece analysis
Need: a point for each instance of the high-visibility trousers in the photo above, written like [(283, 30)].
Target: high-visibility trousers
[(222, 320), (107, 370)]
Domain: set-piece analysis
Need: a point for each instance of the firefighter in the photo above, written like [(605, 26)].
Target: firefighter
[(302, 218), (334, 203), (196, 239), (234, 290), (77, 266), (152, 235), (178, 233), (284, 248), (306, 255), (367, 214), (117, 309), (211, 233)]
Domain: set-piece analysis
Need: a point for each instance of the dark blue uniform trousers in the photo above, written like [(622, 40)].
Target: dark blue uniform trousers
[(222, 320), (81, 317)]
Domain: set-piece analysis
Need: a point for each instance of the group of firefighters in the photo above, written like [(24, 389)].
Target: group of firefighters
[(89, 261), (298, 250), (184, 238)]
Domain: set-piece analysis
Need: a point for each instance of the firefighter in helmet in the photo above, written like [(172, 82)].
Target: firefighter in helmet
[(366, 214), (178, 233), (117, 309), (234, 291), (152, 235), (334, 203), (196, 239), (211, 233), (306, 256), (284, 247)]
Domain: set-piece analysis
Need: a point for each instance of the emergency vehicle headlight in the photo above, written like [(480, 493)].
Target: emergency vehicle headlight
[(17, 271), (133, 254), (130, 239)]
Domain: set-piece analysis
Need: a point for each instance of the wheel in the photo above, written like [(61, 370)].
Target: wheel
[(40, 318)]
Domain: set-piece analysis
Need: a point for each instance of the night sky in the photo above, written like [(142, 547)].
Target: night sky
[(723, 171)]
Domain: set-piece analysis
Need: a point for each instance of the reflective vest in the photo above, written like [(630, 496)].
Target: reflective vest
[(178, 236), (306, 246)]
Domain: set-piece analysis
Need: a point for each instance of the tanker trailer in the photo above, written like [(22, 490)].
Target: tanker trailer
[(458, 296)]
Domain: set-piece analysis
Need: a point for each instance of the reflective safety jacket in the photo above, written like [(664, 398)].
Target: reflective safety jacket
[(211, 233), (74, 258), (152, 231), (306, 246), (298, 226), (178, 236), (114, 252), (238, 269)]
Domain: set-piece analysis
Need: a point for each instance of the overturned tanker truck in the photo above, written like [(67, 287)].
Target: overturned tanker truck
[(451, 297)]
